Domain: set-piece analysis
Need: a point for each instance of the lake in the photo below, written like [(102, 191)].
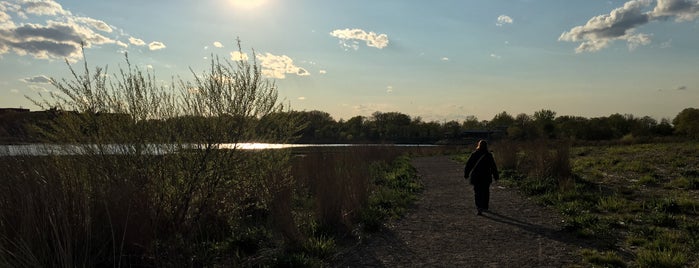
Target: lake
[(161, 149)]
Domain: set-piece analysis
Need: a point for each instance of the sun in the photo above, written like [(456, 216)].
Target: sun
[(248, 4)]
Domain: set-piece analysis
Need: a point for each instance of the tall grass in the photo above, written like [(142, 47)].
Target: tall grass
[(340, 181), (188, 204), (547, 163)]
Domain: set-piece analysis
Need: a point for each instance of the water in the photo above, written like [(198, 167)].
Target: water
[(155, 149)]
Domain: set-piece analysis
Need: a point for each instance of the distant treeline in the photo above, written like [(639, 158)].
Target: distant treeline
[(394, 127)]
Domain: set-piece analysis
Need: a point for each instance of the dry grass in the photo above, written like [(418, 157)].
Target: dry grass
[(339, 180)]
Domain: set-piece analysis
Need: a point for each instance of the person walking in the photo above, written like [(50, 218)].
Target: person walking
[(480, 170)]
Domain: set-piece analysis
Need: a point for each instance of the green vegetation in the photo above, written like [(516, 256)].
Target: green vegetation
[(639, 203)]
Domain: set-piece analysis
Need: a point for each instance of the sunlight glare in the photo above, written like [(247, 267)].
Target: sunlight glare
[(248, 4)]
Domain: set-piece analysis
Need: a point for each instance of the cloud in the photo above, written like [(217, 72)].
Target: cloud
[(681, 10), (15, 91), (389, 89), (44, 30), (322, 72), (504, 19), (95, 24), (353, 36), (445, 59), (37, 88), (40, 79), (137, 42), (122, 44), (367, 109), (274, 66), (237, 56), (301, 98), (495, 56), (43, 8), (218, 44), (621, 23), (156, 46)]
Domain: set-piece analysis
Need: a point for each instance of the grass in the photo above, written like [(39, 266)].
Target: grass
[(639, 202)]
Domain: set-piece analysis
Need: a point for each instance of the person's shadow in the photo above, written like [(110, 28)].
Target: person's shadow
[(548, 232)]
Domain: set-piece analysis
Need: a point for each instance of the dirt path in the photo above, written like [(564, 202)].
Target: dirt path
[(443, 229)]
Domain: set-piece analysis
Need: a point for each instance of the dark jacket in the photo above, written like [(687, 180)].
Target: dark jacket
[(483, 171)]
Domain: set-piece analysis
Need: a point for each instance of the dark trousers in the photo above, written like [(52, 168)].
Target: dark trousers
[(482, 194)]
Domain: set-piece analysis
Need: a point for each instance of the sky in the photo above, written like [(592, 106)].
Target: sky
[(437, 60)]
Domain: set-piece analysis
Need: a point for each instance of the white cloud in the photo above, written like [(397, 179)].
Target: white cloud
[(353, 36), (274, 66), (40, 79), (43, 8), (301, 98), (218, 44), (495, 56), (95, 24), (55, 40), (37, 88), (621, 23), (237, 56), (445, 59), (389, 89), (15, 91), (122, 44), (637, 40), (322, 72), (504, 19), (367, 109), (137, 42), (44, 30), (156, 46), (681, 10)]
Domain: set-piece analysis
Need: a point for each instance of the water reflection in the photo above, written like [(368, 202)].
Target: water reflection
[(154, 149)]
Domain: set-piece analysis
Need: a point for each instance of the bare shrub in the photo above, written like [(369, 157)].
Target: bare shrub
[(543, 160), (148, 182)]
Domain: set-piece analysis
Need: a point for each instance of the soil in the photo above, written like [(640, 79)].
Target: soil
[(443, 230)]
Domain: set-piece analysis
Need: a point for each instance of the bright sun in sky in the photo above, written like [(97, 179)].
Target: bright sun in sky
[(248, 4)]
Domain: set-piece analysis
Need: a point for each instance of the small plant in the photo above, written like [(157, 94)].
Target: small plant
[(612, 204), (604, 259), (648, 180), (321, 246), (660, 258)]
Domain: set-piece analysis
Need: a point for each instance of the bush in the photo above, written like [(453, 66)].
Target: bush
[(149, 180)]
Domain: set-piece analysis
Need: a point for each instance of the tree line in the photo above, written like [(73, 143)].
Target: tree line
[(396, 127)]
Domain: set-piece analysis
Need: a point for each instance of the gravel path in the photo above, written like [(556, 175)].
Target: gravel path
[(443, 230)]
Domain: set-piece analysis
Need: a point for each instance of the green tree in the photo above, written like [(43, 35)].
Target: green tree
[(501, 120), (687, 122), (544, 120)]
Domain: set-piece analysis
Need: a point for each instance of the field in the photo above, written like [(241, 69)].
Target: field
[(639, 203)]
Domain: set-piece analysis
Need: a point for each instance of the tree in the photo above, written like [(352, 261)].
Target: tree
[(471, 122), (501, 120), (544, 120), (687, 122)]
